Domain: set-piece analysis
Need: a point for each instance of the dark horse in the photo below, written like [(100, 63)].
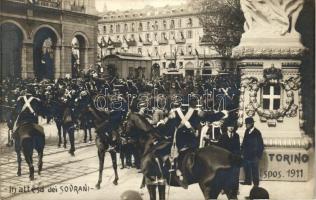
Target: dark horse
[(28, 137), (206, 166), (106, 140)]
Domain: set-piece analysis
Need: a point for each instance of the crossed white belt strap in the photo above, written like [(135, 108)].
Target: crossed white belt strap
[(27, 104), (185, 118)]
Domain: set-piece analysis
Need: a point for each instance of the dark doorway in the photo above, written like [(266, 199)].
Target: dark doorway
[(78, 61), (44, 53), (155, 71), (11, 39), (189, 73)]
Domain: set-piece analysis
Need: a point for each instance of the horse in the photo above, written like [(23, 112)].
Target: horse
[(27, 134), (28, 137), (207, 166), (58, 111), (107, 136)]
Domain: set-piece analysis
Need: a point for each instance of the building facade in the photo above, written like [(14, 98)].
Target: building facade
[(172, 37), (47, 38)]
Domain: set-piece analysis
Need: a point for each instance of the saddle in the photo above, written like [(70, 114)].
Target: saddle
[(28, 130), (184, 164)]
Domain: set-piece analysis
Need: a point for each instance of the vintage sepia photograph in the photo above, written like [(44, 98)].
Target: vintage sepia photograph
[(157, 99)]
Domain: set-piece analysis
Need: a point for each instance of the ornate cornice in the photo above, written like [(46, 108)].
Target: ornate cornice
[(252, 64), (268, 52)]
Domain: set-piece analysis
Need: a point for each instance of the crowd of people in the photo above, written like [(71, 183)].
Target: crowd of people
[(64, 100)]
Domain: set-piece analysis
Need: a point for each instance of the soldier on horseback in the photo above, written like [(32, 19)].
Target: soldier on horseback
[(28, 108), (186, 132), (26, 131)]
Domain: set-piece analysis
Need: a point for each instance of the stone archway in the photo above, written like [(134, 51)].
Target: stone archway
[(45, 42), (11, 43), (79, 55), (155, 70)]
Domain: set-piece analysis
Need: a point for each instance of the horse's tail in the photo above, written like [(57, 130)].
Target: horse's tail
[(235, 160)]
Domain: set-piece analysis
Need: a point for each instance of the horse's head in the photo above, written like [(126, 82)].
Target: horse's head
[(137, 122), (149, 161)]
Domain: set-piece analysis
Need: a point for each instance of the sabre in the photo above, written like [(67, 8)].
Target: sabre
[(233, 110)]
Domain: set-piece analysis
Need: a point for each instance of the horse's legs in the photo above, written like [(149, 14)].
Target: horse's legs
[(114, 164), (101, 155), (208, 191), (152, 191), (17, 146), (40, 143), (65, 137), (27, 146), (85, 134), (58, 125), (122, 156), (71, 135), (162, 192), (90, 136)]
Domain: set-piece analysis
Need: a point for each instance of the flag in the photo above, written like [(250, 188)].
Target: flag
[(181, 52), (103, 42), (140, 39), (196, 52), (110, 41), (124, 38), (182, 36)]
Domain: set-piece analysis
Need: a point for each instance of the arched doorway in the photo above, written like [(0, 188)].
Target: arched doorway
[(155, 70), (44, 45), (189, 69), (78, 55), (11, 41)]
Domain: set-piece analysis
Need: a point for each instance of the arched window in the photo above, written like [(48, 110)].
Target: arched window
[(118, 28), (172, 24), (111, 28), (133, 27), (164, 24), (125, 28), (104, 29), (140, 26), (190, 22), (148, 26), (156, 25)]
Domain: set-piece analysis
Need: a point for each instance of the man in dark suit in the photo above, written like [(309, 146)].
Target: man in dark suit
[(252, 150), (230, 141)]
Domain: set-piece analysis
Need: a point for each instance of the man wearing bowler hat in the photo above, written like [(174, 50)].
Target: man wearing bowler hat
[(252, 150), (230, 141)]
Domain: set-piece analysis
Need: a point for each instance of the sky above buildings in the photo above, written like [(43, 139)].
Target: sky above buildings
[(133, 4)]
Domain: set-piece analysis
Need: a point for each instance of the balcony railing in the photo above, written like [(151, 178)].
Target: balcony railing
[(48, 3), (147, 42)]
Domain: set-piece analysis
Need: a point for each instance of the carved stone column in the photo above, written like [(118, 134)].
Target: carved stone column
[(27, 60), (57, 60)]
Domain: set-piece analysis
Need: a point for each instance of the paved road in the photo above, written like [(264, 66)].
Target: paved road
[(58, 167), (63, 172)]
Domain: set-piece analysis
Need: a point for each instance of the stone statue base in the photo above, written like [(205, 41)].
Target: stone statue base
[(275, 62), (269, 47)]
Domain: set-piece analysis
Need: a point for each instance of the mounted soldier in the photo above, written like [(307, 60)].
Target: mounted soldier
[(26, 131), (28, 109), (186, 131)]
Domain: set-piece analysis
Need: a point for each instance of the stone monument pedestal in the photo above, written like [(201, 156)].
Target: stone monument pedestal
[(269, 58)]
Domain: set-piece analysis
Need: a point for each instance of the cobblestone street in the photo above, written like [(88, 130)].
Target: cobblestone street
[(62, 173), (58, 165)]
